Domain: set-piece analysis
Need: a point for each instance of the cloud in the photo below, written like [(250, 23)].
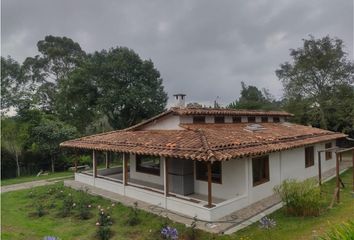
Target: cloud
[(202, 48)]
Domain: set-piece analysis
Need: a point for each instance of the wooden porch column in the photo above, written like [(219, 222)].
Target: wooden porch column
[(108, 159), (319, 169), (125, 168), (210, 201), (337, 177), (94, 164), (165, 174)]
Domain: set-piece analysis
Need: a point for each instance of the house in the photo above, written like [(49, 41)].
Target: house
[(207, 162)]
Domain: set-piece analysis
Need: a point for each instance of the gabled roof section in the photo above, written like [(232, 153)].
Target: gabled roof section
[(208, 142), (210, 112)]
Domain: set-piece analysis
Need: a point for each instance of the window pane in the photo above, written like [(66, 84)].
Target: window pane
[(219, 119), (251, 119), (276, 119), (199, 119), (236, 119), (309, 156), (264, 119), (202, 171), (328, 154), (148, 164), (260, 170)]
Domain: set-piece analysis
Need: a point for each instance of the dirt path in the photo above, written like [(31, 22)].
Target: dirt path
[(27, 185)]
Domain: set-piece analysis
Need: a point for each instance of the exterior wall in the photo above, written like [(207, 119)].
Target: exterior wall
[(233, 181), (169, 122), (186, 119), (144, 176), (288, 164)]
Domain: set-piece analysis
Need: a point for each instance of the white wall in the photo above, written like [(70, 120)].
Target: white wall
[(233, 181), (169, 122), (144, 176), (288, 164)]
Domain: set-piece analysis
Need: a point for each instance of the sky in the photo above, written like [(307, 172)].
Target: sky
[(202, 48)]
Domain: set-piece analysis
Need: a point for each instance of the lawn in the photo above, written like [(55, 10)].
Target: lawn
[(18, 221), (35, 178)]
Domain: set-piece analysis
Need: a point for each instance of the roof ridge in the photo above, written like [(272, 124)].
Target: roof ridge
[(210, 152)]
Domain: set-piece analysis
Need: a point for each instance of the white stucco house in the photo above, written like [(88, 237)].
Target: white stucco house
[(207, 162)]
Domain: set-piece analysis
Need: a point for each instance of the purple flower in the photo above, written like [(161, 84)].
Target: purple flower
[(169, 233), (51, 238), (267, 223)]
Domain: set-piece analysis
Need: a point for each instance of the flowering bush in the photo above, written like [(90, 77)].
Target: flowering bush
[(83, 206), (67, 206), (104, 222), (169, 233)]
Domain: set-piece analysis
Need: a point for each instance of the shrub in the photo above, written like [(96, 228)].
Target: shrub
[(39, 210), (67, 206), (133, 218), (344, 231), (83, 206), (301, 198), (104, 224), (192, 231)]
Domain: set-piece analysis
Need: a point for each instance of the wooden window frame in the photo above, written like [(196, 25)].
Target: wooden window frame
[(251, 121), (141, 169), (236, 119), (328, 155), (264, 119), (219, 119), (199, 119), (203, 175), (309, 156), (266, 176)]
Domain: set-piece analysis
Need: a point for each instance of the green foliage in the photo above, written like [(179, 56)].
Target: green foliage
[(67, 205), (301, 198), (343, 231), (125, 88), (104, 224), (318, 84), (133, 218), (252, 98), (83, 205), (14, 135), (39, 209)]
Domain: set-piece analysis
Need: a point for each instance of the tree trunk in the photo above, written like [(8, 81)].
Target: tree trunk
[(52, 160), (18, 165)]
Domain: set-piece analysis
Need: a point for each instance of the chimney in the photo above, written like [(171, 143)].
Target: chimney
[(180, 100)]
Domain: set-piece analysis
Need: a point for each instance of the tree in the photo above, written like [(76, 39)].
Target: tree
[(13, 138), (59, 56), (318, 70), (119, 85), (252, 98), (49, 134)]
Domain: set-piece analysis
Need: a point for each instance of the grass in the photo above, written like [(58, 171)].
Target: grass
[(17, 222), (35, 178)]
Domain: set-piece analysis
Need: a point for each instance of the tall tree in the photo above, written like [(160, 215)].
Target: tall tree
[(253, 98), (122, 86), (318, 69), (59, 56), (13, 138)]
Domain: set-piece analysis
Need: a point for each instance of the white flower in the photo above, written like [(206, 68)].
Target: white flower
[(61, 191), (108, 217), (113, 204), (102, 213), (99, 206), (69, 194), (102, 209), (74, 204), (97, 223), (107, 208), (89, 206)]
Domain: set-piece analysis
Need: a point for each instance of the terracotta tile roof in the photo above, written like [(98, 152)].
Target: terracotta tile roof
[(213, 112), (229, 112), (207, 141)]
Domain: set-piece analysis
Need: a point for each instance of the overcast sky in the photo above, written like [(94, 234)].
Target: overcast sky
[(201, 48)]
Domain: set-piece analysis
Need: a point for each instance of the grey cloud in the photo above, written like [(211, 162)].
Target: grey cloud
[(202, 48)]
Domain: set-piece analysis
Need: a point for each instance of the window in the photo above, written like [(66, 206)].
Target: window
[(198, 119), (260, 170), (276, 119), (328, 154), (236, 119), (219, 119), (202, 171), (251, 119), (264, 119), (148, 164), (309, 156)]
